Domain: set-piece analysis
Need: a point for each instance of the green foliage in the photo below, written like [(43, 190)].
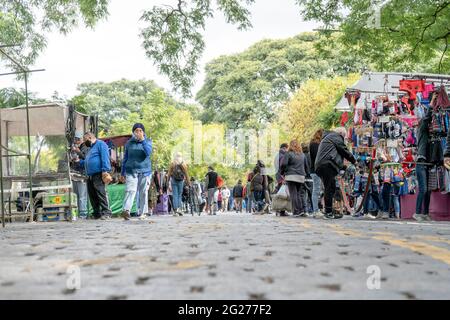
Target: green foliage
[(173, 36), (396, 35), (25, 22), (119, 100), (246, 89), (312, 106), (11, 98)]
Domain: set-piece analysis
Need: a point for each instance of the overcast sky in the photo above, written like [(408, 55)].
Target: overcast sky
[(113, 49)]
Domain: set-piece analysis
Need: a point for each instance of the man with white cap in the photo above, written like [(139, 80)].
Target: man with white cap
[(78, 152)]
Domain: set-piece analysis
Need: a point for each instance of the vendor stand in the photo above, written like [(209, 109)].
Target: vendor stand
[(382, 112), (51, 128)]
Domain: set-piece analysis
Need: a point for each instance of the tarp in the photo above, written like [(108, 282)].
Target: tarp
[(116, 194), (45, 120), (370, 85), (117, 141)]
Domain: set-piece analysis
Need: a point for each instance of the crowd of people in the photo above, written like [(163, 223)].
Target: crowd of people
[(306, 173)]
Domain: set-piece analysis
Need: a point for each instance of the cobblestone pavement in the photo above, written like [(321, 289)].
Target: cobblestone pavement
[(227, 256)]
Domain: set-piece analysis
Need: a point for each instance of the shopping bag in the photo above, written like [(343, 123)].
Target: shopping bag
[(283, 193), (281, 204)]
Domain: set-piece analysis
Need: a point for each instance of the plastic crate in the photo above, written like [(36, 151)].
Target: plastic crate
[(58, 200)]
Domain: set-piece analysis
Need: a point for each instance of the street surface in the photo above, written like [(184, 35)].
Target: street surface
[(229, 256)]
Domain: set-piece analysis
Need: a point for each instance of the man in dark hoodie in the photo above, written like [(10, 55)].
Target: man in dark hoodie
[(329, 162)]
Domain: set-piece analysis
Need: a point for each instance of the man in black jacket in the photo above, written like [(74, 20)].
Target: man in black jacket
[(210, 188), (238, 194), (423, 168), (329, 161)]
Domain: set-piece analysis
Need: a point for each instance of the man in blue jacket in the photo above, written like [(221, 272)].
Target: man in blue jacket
[(137, 171), (97, 164)]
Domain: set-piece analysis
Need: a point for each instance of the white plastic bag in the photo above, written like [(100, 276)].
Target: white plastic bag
[(283, 193)]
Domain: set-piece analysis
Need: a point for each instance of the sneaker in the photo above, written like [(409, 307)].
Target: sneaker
[(143, 217), (338, 216), (283, 214), (318, 214), (426, 217), (358, 215), (126, 214), (371, 216), (328, 216), (418, 217)]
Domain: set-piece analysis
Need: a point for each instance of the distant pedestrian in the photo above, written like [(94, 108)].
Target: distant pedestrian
[(238, 193), (225, 198), (277, 165), (211, 188), (178, 174), (295, 169), (257, 187), (317, 183)]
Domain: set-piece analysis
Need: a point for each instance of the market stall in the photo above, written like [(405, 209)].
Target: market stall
[(383, 113), (50, 126)]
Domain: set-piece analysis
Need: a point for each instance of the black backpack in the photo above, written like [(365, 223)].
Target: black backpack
[(178, 173)]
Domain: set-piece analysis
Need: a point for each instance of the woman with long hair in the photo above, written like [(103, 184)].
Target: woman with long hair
[(317, 183), (295, 169)]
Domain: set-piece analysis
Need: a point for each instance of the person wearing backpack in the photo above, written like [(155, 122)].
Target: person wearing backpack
[(238, 193), (211, 186), (178, 174)]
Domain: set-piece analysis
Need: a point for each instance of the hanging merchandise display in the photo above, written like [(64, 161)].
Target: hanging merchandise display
[(393, 135)]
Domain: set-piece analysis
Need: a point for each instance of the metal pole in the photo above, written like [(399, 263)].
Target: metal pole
[(20, 72), (29, 150), (1, 175)]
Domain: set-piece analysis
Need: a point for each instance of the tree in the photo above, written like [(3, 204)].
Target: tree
[(400, 35), (11, 98), (312, 106), (25, 23), (115, 100), (120, 99), (173, 37), (246, 89)]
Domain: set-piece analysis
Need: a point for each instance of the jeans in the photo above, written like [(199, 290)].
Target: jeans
[(98, 196), (396, 202), (238, 204), (258, 197), (424, 195), (250, 202), (211, 203), (297, 194), (138, 185), (317, 186), (386, 195), (328, 176), (80, 189), (177, 193), (375, 197)]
